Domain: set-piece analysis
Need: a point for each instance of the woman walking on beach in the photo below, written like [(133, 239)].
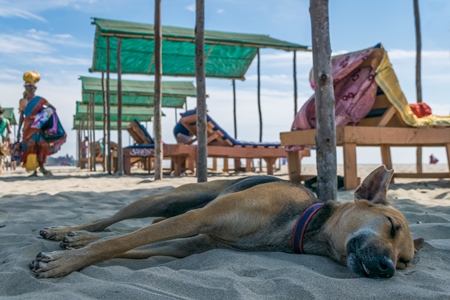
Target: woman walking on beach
[(42, 131), (5, 138)]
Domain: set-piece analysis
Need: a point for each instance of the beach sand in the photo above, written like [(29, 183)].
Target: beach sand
[(76, 196)]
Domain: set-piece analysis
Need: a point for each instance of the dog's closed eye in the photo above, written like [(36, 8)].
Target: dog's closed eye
[(394, 228)]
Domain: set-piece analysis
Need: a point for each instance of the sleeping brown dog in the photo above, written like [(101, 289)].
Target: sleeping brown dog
[(259, 213)]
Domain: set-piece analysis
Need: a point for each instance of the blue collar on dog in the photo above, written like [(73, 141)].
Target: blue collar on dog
[(300, 227)]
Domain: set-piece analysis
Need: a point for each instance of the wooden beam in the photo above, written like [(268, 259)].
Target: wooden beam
[(374, 136), (387, 116)]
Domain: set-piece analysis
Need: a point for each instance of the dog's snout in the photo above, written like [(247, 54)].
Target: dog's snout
[(386, 267)]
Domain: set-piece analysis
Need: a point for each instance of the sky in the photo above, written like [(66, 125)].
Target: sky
[(55, 38)]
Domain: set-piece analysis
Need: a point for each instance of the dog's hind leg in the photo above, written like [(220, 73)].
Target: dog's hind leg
[(175, 202)]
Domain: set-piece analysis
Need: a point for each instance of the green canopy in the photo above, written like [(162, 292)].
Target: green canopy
[(9, 114), (98, 125), (138, 92), (129, 113), (126, 110), (227, 55), (114, 118)]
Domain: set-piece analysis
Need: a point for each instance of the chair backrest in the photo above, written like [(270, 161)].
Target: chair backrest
[(139, 133), (383, 113), (216, 135)]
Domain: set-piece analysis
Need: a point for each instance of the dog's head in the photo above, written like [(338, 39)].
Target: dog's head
[(377, 237)]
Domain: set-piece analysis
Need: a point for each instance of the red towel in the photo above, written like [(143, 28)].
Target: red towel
[(420, 109)]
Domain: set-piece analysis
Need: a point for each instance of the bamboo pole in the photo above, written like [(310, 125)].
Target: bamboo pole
[(107, 143), (259, 96), (295, 83), (104, 122), (324, 93), (119, 109), (158, 93), (259, 105), (92, 132), (234, 108), (418, 75), (202, 150)]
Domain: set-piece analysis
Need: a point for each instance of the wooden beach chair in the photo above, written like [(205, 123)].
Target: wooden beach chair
[(98, 159), (389, 123), (222, 145), (143, 151)]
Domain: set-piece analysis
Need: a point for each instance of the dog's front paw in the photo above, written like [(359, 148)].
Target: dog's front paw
[(54, 233), (54, 264), (78, 239)]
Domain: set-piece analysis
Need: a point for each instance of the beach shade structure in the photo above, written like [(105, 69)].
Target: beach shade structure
[(91, 120), (9, 114), (139, 93), (98, 125), (371, 110), (227, 55), (129, 113)]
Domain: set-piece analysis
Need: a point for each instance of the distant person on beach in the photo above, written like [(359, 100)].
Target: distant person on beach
[(433, 160), (182, 134), (84, 147), (43, 134), (6, 139)]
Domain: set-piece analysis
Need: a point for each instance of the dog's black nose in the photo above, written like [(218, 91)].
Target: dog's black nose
[(386, 267)]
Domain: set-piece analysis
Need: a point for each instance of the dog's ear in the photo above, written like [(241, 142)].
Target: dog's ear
[(418, 244), (374, 187)]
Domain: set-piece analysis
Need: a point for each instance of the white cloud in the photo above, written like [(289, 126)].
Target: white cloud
[(220, 11), (16, 44), (285, 59), (7, 11), (18, 8), (60, 39), (61, 60), (191, 7)]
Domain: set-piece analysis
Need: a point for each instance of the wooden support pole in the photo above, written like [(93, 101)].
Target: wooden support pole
[(104, 122), (202, 150), (107, 143), (259, 106), (259, 96), (119, 109), (92, 132), (325, 110), (158, 93), (295, 83), (418, 75), (234, 108)]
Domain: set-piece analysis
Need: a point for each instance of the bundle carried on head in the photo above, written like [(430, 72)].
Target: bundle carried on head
[(31, 77)]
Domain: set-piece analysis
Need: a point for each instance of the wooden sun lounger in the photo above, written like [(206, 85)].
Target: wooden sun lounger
[(385, 131), (85, 162), (221, 145), (144, 150)]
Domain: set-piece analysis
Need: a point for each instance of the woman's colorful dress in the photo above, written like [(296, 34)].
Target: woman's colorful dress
[(36, 144)]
